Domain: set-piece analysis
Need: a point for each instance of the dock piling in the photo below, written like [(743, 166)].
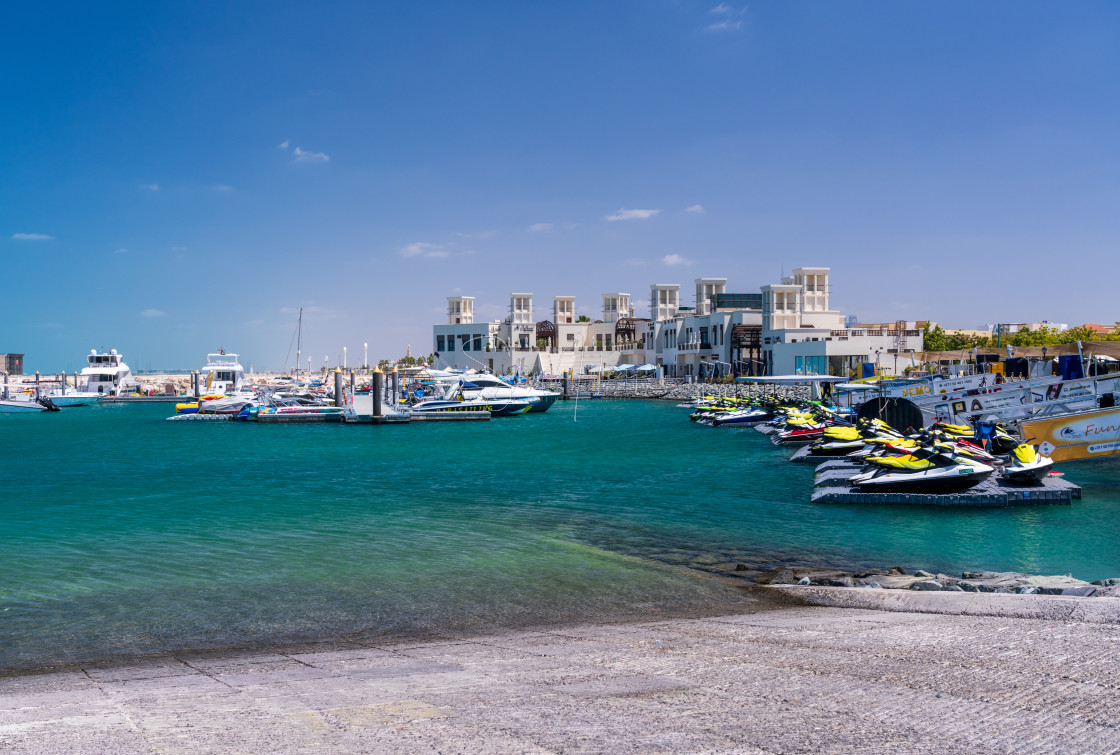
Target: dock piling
[(339, 397), (37, 384), (6, 396), (376, 391), (396, 388)]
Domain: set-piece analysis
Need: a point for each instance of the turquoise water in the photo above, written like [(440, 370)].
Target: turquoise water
[(125, 534)]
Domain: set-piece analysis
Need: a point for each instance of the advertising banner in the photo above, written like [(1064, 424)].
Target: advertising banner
[(1087, 435)]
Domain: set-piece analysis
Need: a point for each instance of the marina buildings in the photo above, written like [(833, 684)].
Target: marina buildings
[(782, 329), (11, 364)]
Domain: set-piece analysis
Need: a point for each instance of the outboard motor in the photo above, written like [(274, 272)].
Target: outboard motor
[(48, 404)]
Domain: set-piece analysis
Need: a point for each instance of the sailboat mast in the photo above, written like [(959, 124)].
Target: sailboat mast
[(299, 340)]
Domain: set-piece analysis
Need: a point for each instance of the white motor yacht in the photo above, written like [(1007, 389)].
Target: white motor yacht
[(107, 374), (222, 374), (491, 387)]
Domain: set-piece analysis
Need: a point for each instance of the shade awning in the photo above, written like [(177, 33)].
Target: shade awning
[(792, 379)]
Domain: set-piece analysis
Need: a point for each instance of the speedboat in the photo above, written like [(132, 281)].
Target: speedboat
[(491, 387), (227, 404), (17, 406), (67, 396), (440, 406)]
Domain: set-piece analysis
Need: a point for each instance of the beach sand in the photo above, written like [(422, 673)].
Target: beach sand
[(1024, 674)]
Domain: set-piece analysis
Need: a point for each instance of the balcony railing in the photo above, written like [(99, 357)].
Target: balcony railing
[(859, 333)]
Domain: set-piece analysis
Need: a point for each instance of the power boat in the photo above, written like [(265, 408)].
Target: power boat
[(440, 406), (105, 374), (494, 388), (65, 396), (497, 407), (17, 406), (222, 373)]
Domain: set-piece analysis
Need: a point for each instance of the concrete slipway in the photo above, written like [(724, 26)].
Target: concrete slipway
[(860, 671)]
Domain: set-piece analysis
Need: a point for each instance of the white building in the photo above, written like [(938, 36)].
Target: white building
[(786, 328), (460, 309), (802, 335)]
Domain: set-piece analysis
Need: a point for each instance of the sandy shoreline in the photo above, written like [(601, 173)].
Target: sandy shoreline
[(1031, 674)]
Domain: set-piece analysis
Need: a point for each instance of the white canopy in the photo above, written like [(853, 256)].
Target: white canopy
[(792, 379)]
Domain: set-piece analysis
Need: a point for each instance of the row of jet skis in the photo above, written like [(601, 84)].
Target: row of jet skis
[(942, 458)]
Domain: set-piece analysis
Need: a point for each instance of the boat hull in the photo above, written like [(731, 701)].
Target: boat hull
[(544, 402), (65, 401), (922, 482), (20, 407)]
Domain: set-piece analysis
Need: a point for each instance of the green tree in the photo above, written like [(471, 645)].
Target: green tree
[(583, 318), (1083, 333)]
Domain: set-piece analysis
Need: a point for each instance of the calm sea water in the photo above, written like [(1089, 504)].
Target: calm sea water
[(121, 533)]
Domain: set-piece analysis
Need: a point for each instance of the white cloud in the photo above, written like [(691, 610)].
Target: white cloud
[(310, 157), (122, 250), (696, 208), (729, 13), (541, 227), (152, 313), (32, 237), (424, 249), (284, 144), (675, 259), (632, 215), (150, 187)]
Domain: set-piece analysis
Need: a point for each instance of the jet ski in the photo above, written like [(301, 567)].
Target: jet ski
[(748, 416), (844, 440), (926, 470), (1027, 465)]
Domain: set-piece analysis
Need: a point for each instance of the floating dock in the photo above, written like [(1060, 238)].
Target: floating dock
[(298, 417), (832, 487), (146, 399), (803, 456)]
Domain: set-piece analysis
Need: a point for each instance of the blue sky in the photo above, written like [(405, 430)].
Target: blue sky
[(182, 177)]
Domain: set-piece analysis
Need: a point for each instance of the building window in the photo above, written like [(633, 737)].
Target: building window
[(478, 342), (439, 343), (451, 343)]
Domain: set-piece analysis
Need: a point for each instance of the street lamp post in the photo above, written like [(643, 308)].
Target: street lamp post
[(365, 356), (344, 357)]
